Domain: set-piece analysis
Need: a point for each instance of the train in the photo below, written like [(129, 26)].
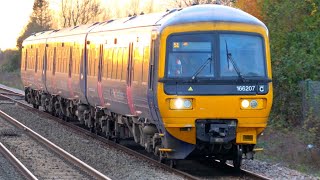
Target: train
[(188, 83)]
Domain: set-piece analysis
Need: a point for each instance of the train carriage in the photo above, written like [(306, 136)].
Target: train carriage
[(33, 67), (189, 83)]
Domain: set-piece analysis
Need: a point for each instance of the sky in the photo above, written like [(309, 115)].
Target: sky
[(14, 16)]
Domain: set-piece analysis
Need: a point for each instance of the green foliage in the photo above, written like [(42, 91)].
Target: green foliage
[(295, 47), (40, 20), (10, 61)]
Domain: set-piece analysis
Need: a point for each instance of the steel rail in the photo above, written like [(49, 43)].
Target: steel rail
[(16, 163), (75, 161), (255, 175)]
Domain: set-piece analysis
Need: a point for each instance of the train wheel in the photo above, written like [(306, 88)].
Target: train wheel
[(173, 163), (116, 140), (35, 106), (162, 158), (92, 130), (108, 136), (222, 162), (156, 151), (237, 159)]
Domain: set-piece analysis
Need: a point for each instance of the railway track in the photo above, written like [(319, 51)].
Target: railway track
[(16, 163), (186, 173), (35, 147)]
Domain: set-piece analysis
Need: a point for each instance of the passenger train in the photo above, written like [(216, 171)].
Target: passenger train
[(191, 83)]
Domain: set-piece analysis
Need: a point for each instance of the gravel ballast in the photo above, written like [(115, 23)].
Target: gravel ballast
[(7, 171), (274, 171), (110, 161), (39, 160)]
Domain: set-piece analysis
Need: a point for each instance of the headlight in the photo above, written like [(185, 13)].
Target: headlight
[(181, 103), (253, 103), (245, 103), (178, 103)]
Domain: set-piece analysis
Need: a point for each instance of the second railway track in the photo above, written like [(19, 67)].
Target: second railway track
[(184, 173), (45, 159)]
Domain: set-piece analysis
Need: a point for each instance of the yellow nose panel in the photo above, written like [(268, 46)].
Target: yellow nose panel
[(246, 136)]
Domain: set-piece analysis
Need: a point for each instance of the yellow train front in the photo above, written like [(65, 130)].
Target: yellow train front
[(214, 90)]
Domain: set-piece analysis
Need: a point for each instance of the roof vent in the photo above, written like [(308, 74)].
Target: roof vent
[(130, 18), (171, 11)]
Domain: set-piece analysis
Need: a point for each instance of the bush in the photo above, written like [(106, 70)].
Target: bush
[(12, 60), (295, 47)]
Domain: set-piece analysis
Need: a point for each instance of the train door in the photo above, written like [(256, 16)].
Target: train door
[(44, 67), (54, 68), (151, 94), (129, 80), (83, 71), (70, 86), (100, 73)]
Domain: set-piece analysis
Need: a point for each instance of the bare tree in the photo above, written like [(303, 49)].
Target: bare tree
[(148, 7), (76, 12), (133, 7), (186, 3)]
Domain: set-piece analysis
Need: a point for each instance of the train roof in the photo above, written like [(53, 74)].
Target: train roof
[(211, 13), (193, 14), (75, 30), (38, 36)]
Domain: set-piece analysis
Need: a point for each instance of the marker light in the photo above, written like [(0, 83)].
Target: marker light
[(181, 103), (254, 103), (187, 103)]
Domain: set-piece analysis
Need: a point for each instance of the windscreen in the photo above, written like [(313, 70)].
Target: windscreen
[(247, 53), (215, 55), (187, 53)]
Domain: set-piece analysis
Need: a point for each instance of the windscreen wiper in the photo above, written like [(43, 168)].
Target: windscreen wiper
[(229, 58), (201, 68)]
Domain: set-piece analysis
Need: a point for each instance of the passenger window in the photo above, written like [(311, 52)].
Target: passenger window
[(25, 61), (32, 60), (105, 63), (54, 61), (119, 69), (65, 60), (58, 60), (125, 63), (36, 61), (88, 62), (109, 60), (114, 63), (48, 59), (70, 62), (146, 59), (137, 61), (91, 61), (76, 58), (96, 61), (40, 59)]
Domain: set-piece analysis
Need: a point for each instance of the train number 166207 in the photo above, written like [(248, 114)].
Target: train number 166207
[(246, 88)]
